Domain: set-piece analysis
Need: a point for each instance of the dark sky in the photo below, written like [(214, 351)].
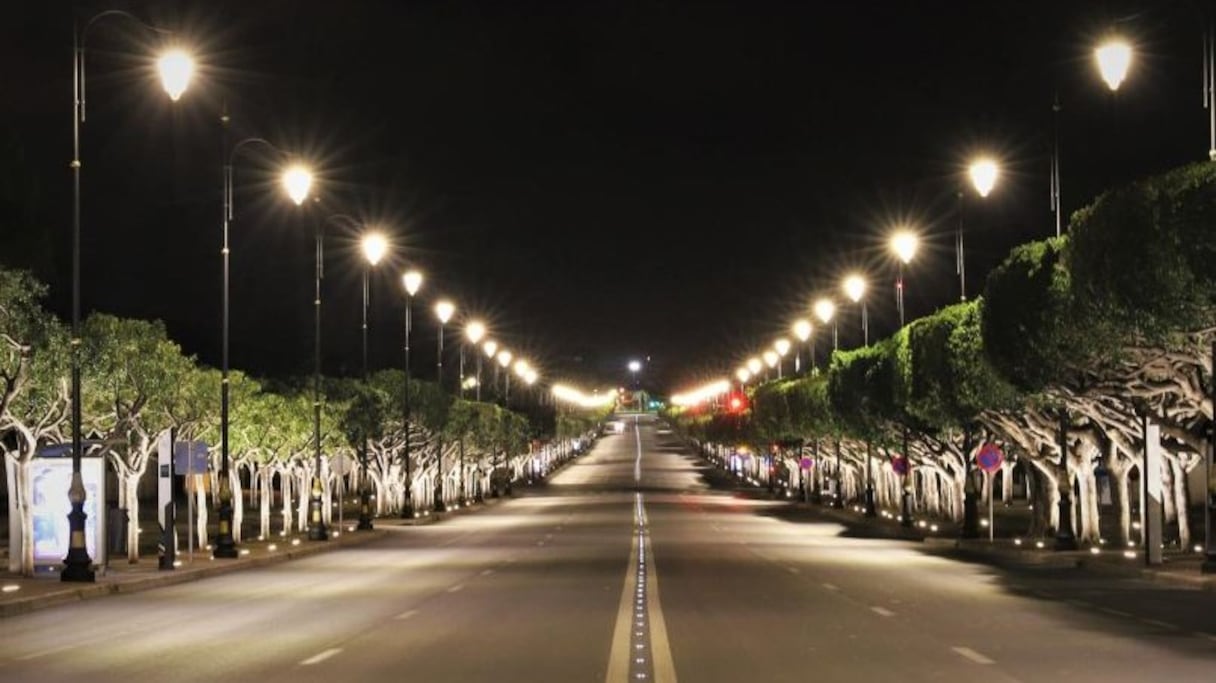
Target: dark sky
[(602, 180)]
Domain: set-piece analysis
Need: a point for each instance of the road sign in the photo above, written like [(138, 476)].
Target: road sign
[(900, 464), (807, 463), (990, 458), (342, 464), (189, 457)]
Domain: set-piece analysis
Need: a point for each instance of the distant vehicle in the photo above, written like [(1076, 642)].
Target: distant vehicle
[(614, 427)]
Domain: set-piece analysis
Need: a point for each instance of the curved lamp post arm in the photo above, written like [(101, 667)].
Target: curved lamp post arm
[(80, 39)]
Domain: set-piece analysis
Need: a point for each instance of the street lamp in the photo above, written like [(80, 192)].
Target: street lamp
[(412, 281), (983, 173), (782, 347), (225, 545), (443, 311), (374, 246), (1114, 58), (504, 361), (474, 331), (855, 289), (175, 69), (771, 359), (743, 374), (754, 366), (825, 310), (904, 244), (803, 330)]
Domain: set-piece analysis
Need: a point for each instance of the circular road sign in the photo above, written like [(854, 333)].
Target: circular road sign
[(990, 458)]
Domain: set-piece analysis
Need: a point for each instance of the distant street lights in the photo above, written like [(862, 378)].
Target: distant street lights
[(443, 311), (412, 281), (504, 361), (754, 366), (855, 289), (175, 68), (904, 244), (770, 359), (825, 310)]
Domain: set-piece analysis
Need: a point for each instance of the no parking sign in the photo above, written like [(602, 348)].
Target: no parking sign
[(990, 458)]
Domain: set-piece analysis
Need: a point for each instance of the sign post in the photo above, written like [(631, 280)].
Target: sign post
[(990, 459), (166, 549)]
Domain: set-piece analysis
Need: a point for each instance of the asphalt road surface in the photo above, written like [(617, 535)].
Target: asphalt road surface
[(627, 566)]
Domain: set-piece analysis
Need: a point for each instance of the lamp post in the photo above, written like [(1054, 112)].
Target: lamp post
[(175, 68), (490, 347), (782, 347), (412, 281), (802, 330), (904, 244), (1055, 165), (983, 173), (443, 311), (754, 365), (825, 310), (504, 361), (743, 374), (1113, 58), (374, 246), (855, 288), (225, 545), (474, 330), (771, 359), (1209, 84)]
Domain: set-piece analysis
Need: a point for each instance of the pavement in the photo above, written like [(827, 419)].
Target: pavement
[(19, 594)]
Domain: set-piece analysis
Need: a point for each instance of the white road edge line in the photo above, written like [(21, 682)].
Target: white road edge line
[(1162, 624), (972, 655), (487, 572), (618, 654), (321, 657), (883, 611), (406, 615)]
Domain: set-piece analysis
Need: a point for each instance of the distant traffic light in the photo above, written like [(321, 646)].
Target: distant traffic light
[(736, 402)]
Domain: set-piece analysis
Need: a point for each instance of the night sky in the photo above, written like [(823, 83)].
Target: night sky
[(600, 180)]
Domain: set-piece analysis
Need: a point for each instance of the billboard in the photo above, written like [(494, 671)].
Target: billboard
[(50, 479)]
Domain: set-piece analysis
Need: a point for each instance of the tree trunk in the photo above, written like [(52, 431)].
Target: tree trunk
[(285, 483), (130, 487), (1180, 504), (265, 494), (21, 520), (1122, 494)]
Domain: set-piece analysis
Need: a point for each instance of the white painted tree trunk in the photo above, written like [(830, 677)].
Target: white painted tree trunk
[(129, 493), (285, 483), (200, 511), (265, 499), (21, 516)]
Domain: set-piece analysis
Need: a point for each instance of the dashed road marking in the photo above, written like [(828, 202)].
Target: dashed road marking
[(317, 659), (487, 572), (831, 587), (1161, 624), (883, 611), (972, 655), (456, 588), (406, 615), (1115, 612), (793, 570), (1208, 636)]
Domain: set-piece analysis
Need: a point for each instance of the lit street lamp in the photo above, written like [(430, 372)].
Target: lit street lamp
[(983, 173), (504, 361), (1114, 58), (443, 311), (225, 545), (771, 359), (374, 246), (474, 330), (175, 69), (904, 243), (802, 330), (855, 289), (743, 374), (412, 281), (782, 347), (754, 366), (825, 310)]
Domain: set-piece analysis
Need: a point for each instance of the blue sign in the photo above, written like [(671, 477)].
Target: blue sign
[(189, 457), (990, 458)]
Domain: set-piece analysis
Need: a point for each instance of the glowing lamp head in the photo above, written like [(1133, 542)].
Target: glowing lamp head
[(490, 347), (412, 281), (781, 346), (175, 67), (474, 331), (803, 329), (531, 376), (444, 310), (521, 368), (297, 180), (504, 358), (634, 366), (825, 310), (1114, 57), (983, 174), (770, 358), (855, 287), (754, 365), (374, 246), (904, 244), (743, 374)]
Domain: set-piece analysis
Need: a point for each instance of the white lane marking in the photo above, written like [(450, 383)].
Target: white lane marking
[(69, 646), (406, 615), (637, 463), (660, 646), (487, 572), (831, 587), (1116, 612), (317, 659), (1209, 636), (883, 611), (1162, 624), (972, 655), (618, 655), (540, 543), (793, 570), (1079, 603), (456, 588)]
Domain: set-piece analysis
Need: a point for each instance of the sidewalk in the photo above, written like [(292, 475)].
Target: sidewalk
[(941, 537), (19, 595)]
